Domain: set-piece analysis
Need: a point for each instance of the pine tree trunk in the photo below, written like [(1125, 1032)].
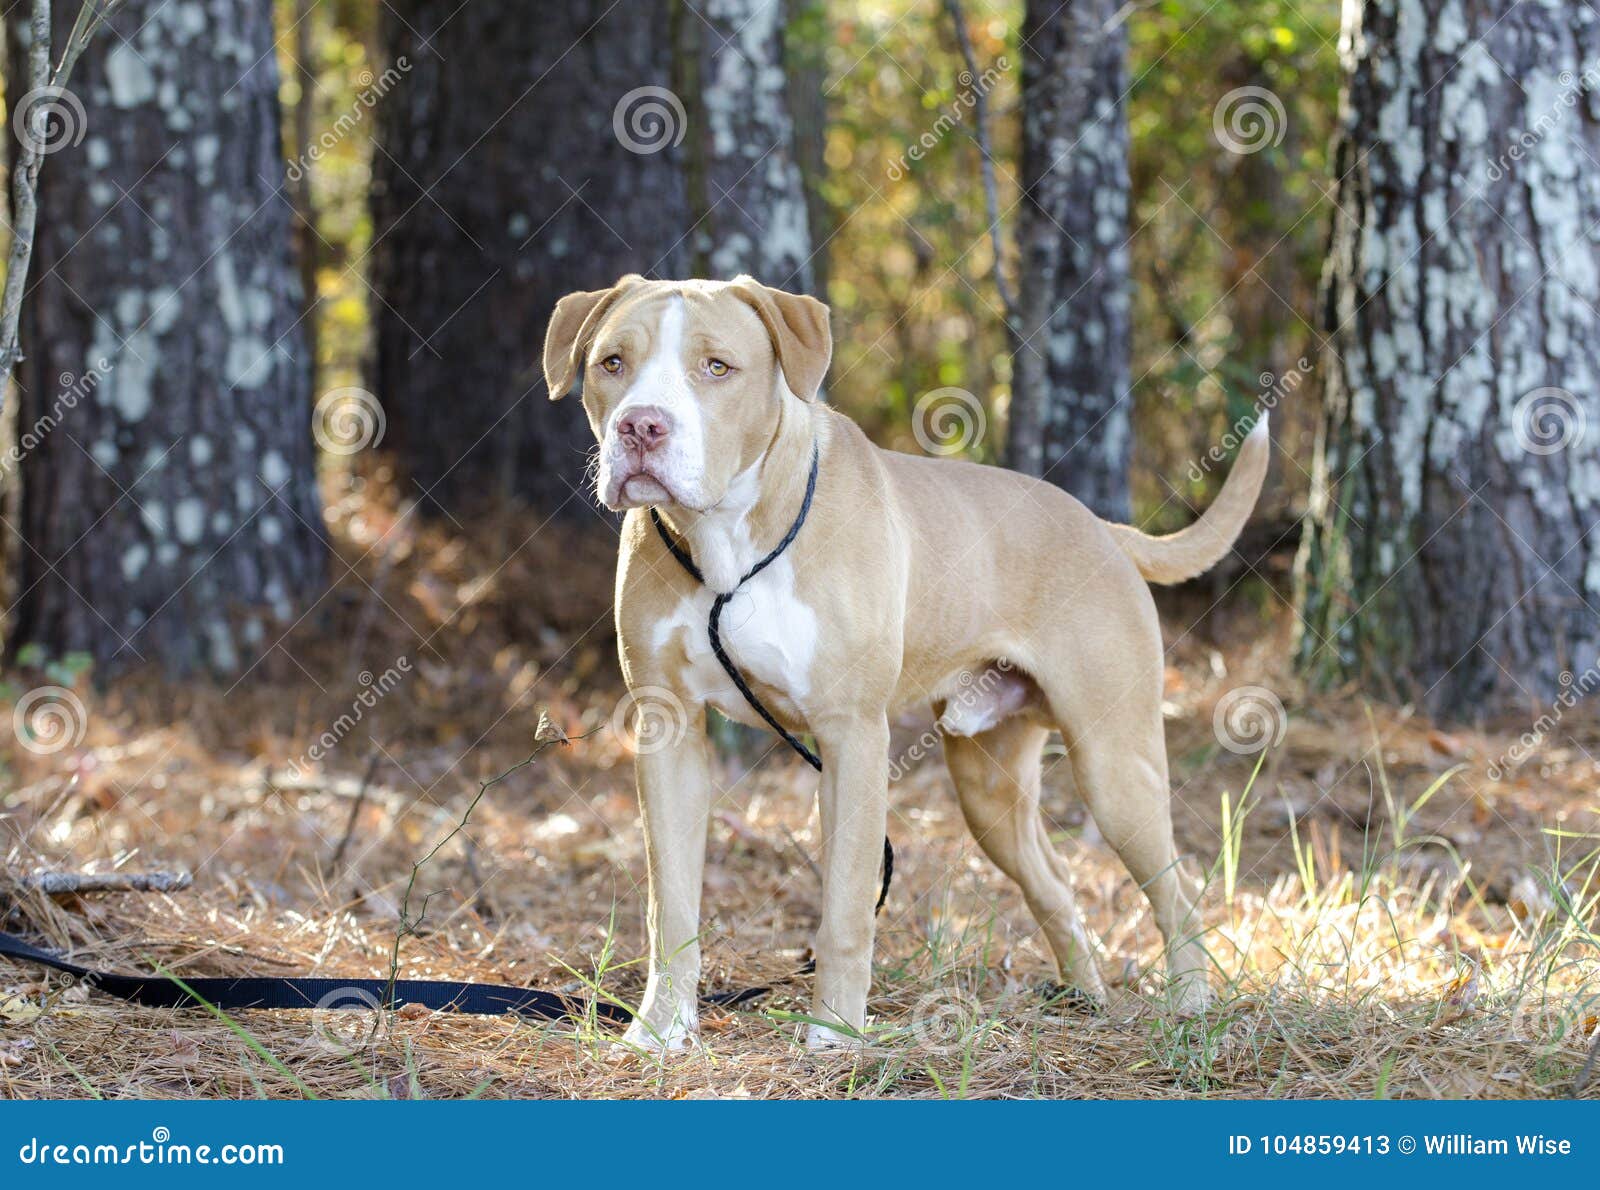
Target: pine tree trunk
[(1450, 546), (530, 150), (1069, 417), (169, 510), (806, 43), (744, 169)]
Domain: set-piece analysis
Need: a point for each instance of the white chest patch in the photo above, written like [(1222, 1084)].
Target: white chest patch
[(769, 633)]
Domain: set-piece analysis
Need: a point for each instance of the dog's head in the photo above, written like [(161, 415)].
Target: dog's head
[(682, 380)]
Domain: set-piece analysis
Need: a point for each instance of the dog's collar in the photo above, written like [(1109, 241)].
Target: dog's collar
[(687, 562)]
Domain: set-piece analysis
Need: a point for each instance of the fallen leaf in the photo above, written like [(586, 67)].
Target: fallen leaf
[(1461, 997), (547, 732), (19, 1011)]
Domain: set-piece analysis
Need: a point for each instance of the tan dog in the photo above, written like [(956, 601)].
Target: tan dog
[(998, 600)]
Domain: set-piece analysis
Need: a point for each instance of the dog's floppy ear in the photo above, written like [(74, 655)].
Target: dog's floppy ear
[(572, 327), (798, 326)]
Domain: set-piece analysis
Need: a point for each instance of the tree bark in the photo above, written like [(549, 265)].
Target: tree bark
[(531, 150), (31, 66), (307, 237), (168, 506), (806, 44), (1450, 553), (744, 171), (1069, 419)]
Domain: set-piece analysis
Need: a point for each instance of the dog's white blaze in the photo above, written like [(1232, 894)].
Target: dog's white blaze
[(663, 382)]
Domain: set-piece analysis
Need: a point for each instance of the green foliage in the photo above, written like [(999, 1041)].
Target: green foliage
[(57, 671), (911, 269), (337, 70), (1227, 248)]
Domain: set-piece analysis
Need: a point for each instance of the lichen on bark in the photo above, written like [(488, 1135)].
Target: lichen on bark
[(162, 355), (1069, 413), (1448, 554)]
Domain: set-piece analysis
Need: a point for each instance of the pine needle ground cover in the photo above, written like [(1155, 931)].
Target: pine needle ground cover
[(1393, 909)]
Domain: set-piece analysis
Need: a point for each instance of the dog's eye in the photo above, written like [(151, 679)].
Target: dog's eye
[(717, 367), (612, 364)]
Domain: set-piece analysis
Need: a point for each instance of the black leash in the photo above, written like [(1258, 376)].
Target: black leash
[(712, 631), (481, 999)]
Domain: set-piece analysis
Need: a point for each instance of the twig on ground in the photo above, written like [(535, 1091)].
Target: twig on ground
[(63, 883), (804, 854), (355, 808)]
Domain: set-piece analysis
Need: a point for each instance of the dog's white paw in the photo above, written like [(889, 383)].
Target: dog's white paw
[(823, 1039), (676, 1036), (1189, 995)]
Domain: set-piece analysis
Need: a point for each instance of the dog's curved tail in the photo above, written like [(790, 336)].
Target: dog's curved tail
[(1182, 555)]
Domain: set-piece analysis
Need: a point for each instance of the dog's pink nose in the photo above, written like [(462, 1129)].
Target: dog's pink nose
[(644, 427)]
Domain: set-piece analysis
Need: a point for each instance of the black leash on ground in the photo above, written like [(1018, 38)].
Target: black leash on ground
[(274, 992), (712, 630), (482, 999)]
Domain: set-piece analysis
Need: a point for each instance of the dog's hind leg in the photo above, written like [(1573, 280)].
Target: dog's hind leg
[(1104, 688), (996, 775), (1125, 788)]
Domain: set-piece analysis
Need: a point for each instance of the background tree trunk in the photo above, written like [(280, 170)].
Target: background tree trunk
[(1069, 417), (1456, 488), (744, 171), (168, 507), (806, 43), (529, 151)]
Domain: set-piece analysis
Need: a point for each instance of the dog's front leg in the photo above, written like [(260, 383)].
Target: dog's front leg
[(675, 797), (855, 809)]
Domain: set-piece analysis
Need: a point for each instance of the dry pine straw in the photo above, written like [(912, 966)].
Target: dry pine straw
[(1461, 963)]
